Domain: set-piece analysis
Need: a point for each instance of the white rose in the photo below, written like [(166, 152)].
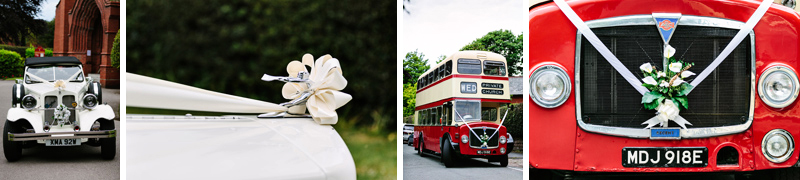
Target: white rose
[(649, 80), (646, 67), (677, 82), (661, 74), (669, 51), (686, 74), (675, 67)]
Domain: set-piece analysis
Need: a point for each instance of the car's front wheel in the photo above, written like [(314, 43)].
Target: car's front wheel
[(11, 149), (108, 146)]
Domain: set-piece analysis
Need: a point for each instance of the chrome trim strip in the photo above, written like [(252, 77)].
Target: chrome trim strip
[(49, 135), (686, 20)]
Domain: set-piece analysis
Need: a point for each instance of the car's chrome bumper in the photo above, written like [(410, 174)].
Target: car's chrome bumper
[(61, 135)]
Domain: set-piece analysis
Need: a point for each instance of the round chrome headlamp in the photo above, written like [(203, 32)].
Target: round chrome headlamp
[(777, 146), (550, 86), (778, 86), (502, 139), (28, 102), (502, 150), (89, 101), (464, 139)]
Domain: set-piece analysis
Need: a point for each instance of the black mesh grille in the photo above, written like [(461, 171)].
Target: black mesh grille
[(476, 142), (723, 98)]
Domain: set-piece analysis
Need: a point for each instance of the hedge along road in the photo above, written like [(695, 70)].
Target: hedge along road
[(72, 162), (431, 167)]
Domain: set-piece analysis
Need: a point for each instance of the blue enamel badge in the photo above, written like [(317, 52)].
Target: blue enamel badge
[(666, 24)]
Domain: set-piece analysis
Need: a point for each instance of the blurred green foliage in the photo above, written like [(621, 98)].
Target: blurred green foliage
[(226, 46), (115, 54), (20, 50), (513, 121), (11, 64), (502, 42), (409, 98)]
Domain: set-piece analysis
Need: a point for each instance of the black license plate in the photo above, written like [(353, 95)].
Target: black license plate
[(664, 157)]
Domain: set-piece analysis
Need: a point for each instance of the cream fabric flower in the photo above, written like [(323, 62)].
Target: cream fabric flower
[(661, 74), (666, 111), (326, 81)]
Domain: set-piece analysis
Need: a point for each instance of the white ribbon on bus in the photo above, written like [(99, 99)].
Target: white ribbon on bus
[(592, 38), (325, 78), (476, 134)]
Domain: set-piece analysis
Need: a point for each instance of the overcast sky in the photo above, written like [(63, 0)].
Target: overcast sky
[(47, 10), (438, 28)]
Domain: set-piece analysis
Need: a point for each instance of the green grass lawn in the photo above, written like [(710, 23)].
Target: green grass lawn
[(374, 150), (12, 79)]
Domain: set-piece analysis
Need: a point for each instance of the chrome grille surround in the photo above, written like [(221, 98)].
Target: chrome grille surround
[(686, 20)]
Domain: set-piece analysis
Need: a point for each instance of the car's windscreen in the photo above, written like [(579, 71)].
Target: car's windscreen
[(53, 73)]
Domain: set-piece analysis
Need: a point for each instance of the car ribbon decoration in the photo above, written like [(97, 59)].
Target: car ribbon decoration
[(319, 90), (318, 93), (606, 53)]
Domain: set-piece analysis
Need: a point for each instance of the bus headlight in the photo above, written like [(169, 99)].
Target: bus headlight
[(89, 101), (778, 86), (502, 139), (550, 86), (502, 150), (28, 102), (464, 139), (777, 145)]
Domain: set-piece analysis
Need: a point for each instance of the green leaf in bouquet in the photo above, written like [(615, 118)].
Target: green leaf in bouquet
[(686, 89), (682, 100), (651, 96)]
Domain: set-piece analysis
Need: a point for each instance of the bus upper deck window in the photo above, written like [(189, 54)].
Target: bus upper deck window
[(469, 66), (496, 68)]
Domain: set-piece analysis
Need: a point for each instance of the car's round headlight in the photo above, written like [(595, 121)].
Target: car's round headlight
[(778, 86), (28, 102), (89, 101), (464, 139), (777, 145), (502, 139), (550, 86)]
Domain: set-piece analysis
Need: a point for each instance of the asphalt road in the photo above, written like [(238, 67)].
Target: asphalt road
[(431, 167), (74, 162)]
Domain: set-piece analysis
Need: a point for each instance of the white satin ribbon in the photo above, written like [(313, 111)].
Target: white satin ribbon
[(143, 91), (748, 26), (587, 32), (326, 82), (606, 53)]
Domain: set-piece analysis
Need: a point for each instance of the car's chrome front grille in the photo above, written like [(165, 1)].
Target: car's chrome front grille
[(51, 102)]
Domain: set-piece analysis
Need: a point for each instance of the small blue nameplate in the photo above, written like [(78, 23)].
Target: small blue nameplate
[(665, 133)]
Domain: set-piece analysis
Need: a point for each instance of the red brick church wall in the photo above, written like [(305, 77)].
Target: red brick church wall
[(82, 25)]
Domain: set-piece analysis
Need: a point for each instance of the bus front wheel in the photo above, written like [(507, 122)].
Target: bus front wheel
[(421, 146), (502, 159), (447, 154)]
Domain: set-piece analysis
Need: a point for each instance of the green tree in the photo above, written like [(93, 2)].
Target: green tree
[(441, 58), (17, 20), (502, 42), (413, 66), (409, 98)]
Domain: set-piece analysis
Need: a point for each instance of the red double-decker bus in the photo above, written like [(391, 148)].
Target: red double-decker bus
[(586, 111), (458, 109)]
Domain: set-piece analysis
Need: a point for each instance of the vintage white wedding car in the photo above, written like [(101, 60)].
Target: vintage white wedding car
[(55, 105), (287, 142)]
